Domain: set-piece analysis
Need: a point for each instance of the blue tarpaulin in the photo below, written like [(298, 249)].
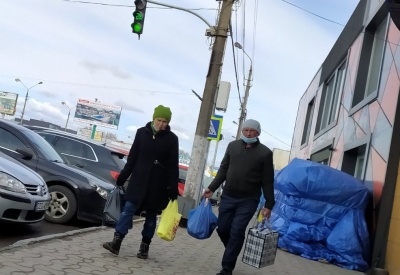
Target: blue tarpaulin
[(320, 214)]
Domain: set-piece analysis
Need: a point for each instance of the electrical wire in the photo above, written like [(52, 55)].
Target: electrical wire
[(129, 6), (102, 87), (287, 2), (275, 138), (255, 30)]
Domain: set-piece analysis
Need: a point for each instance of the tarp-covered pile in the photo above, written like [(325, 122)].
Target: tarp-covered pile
[(320, 214)]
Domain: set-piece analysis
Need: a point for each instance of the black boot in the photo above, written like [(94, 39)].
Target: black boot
[(143, 252), (115, 245), (225, 272)]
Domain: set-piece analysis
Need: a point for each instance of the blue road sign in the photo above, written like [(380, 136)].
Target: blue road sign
[(214, 133)]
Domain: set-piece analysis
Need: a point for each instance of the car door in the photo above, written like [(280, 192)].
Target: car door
[(74, 151), (11, 141)]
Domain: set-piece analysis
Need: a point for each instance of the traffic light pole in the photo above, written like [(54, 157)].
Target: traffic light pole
[(201, 143), (179, 8)]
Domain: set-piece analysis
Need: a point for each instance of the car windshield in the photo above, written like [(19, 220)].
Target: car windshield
[(45, 148)]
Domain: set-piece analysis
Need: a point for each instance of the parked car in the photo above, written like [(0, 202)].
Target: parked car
[(24, 194), (74, 192), (94, 157), (183, 170)]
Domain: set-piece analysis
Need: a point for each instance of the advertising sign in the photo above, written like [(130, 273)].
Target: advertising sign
[(87, 133), (8, 103), (97, 113)]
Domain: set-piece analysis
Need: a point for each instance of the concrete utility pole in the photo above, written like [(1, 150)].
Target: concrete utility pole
[(243, 112), (201, 143)]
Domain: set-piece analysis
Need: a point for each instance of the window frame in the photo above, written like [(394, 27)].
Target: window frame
[(308, 122), (360, 95), (330, 101), (326, 146), (13, 139), (86, 149), (348, 152)]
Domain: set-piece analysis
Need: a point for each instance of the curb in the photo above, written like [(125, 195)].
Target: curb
[(25, 243)]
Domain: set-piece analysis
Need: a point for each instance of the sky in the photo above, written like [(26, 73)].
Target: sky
[(86, 50)]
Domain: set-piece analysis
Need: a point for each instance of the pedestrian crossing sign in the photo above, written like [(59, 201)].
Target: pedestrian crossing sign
[(214, 133)]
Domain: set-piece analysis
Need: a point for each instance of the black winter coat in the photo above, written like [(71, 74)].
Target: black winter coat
[(153, 169)]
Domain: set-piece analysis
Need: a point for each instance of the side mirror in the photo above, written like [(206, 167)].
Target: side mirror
[(25, 152)]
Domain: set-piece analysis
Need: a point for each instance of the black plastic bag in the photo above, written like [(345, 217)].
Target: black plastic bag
[(113, 208)]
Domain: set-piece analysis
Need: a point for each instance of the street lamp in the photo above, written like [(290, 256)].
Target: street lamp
[(243, 104), (69, 112), (26, 97)]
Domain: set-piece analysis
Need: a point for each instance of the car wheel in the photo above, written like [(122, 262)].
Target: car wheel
[(63, 205)]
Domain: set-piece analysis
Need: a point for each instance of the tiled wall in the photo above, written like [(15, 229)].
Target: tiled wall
[(393, 246)]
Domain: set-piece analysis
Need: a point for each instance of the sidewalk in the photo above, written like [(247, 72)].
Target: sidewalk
[(81, 252)]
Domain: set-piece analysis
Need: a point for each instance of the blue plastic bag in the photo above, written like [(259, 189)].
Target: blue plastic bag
[(202, 221)]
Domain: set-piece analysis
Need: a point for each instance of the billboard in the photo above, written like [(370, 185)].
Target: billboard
[(8, 103), (87, 133), (97, 113)]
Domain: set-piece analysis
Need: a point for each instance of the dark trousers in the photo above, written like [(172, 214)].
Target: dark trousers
[(233, 218), (125, 222)]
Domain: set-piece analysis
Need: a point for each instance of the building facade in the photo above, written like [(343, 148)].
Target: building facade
[(281, 158), (349, 119)]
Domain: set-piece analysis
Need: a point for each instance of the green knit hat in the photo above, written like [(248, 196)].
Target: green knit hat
[(162, 112)]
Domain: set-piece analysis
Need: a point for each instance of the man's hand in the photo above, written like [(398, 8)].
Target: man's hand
[(119, 183), (266, 213), (173, 195), (208, 193)]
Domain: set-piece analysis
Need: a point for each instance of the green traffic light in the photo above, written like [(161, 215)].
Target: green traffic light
[(136, 27), (138, 15)]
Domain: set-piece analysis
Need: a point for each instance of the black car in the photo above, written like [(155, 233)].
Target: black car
[(95, 157), (74, 192)]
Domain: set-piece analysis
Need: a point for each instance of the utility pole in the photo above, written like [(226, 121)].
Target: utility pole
[(243, 112), (201, 143), (215, 155)]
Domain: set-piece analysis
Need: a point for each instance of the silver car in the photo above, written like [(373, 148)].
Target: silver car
[(24, 197)]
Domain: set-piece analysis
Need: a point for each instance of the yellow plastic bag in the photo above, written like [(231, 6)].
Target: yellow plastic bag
[(260, 216), (169, 221)]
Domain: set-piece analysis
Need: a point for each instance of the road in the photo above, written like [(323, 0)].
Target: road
[(11, 233)]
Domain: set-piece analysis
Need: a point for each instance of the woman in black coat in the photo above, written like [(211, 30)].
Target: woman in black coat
[(153, 169)]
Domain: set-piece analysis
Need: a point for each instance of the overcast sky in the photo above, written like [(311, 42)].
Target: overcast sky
[(86, 50)]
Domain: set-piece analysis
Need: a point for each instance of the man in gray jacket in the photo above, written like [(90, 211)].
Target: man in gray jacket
[(247, 168)]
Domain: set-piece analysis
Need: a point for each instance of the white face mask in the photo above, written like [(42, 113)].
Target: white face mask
[(248, 140)]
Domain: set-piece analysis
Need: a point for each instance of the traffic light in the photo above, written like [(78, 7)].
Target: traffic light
[(138, 17)]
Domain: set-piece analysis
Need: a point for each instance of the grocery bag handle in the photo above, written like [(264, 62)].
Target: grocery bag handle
[(205, 201), (264, 221)]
